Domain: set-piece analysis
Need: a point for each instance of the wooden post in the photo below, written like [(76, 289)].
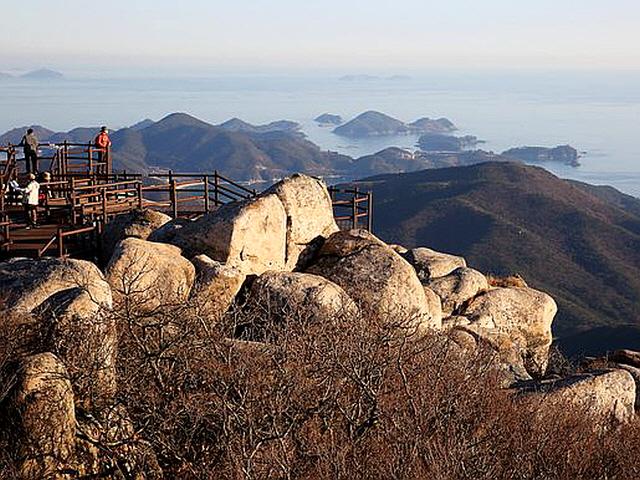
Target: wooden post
[(354, 210), (90, 163), (104, 207), (65, 159), (139, 190), (370, 211), (206, 194), (60, 238), (216, 195), (174, 199), (73, 200)]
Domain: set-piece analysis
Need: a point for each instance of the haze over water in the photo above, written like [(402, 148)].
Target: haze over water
[(598, 113)]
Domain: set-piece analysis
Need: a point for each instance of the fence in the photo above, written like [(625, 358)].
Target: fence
[(352, 208), (78, 204)]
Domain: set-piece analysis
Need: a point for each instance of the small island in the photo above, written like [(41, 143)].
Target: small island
[(430, 125), (43, 74), (238, 125), (377, 124), (328, 119), (438, 142), (561, 154)]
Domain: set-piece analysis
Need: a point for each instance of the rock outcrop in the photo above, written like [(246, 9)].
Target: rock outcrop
[(431, 264), (249, 235), (304, 296), (605, 394), (43, 404), (216, 286), (25, 284), (64, 307), (375, 277), (524, 314), (85, 340), (309, 211), (149, 275), (458, 287), (137, 224)]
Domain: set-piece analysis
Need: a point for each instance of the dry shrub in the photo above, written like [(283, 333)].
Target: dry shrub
[(339, 398), (347, 397), (506, 282)]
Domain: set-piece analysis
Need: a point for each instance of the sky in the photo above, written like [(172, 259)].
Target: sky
[(346, 35)]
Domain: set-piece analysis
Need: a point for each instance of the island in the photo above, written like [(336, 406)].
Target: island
[(438, 142), (376, 124), (42, 74), (328, 119), (358, 78), (5, 76), (238, 125), (562, 154), (430, 125)]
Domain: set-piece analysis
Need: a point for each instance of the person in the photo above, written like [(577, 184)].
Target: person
[(103, 142), (29, 143), (30, 200)]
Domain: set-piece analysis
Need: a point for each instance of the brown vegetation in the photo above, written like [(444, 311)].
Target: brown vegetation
[(348, 397), (506, 282)]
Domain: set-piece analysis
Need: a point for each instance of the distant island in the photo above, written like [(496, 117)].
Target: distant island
[(563, 153), (261, 153), (4, 76), (328, 119), (376, 124), (42, 74), (437, 142), (237, 125), (373, 78)]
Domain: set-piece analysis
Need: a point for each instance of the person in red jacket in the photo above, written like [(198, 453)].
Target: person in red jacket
[(103, 142)]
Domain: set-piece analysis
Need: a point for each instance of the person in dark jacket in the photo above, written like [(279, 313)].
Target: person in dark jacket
[(29, 143)]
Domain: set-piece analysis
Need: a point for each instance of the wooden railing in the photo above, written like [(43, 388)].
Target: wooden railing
[(352, 208), (187, 194), (87, 203)]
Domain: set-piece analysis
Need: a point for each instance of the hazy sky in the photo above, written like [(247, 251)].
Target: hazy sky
[(333, 34)]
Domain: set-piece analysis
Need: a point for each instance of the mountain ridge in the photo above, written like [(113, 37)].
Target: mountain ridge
[(512, 218)]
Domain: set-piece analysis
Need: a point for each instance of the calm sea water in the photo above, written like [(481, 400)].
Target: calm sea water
[(598, 113)]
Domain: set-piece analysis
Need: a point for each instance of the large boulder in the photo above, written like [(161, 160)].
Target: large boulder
[(375, 277), (149, 275), (43, 405), (137, 224), (85, 340), (167, 232), (524, 314), (250, 235), (64, 307), (431, 264), (216, 286), (300, 294), (458, 287), (434, 305), (25, 283), (605, 394), (310, 220)]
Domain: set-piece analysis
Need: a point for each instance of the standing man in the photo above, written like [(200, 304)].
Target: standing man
[(30, 200), (103, 142), (29, 143)]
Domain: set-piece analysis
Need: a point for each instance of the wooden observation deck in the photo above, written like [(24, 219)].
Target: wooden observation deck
[(84, 194)]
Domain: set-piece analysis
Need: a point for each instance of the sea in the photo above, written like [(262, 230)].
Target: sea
[(597, 112)]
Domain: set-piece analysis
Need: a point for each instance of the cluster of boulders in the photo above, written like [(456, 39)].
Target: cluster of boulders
[(284, 246)]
